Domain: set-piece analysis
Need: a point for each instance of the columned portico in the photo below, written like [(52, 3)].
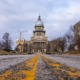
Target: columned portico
[(39, 46)]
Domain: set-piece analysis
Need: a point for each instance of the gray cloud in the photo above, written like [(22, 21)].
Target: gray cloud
[(19, 15)]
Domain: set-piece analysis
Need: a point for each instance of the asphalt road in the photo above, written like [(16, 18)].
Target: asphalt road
[(44, 70), (6, 61), (9, 60), (72, 61)]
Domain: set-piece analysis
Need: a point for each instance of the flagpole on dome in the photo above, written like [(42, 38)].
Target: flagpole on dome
[(39, 17)]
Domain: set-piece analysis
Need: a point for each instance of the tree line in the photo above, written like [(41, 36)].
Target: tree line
[(69, 42)]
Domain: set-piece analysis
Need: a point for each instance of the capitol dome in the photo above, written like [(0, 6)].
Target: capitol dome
[(39, 22)]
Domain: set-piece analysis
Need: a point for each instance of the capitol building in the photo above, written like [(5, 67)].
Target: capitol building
[(37, 43)]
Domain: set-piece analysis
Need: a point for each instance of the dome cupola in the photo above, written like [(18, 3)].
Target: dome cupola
[(39, 23)]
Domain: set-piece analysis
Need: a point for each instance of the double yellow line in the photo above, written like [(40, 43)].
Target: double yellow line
[(29, 73)]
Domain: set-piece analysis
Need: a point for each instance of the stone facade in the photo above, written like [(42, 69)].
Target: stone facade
[(38, 42)]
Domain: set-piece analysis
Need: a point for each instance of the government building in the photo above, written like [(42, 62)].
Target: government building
[(37, 43)]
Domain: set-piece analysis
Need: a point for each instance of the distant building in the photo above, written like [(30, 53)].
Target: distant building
[(38, 42)]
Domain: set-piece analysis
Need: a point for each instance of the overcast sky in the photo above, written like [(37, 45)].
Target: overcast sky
[(19, 15)]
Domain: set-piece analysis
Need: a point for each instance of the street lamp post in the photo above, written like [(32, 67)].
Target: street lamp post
[(22, 32)]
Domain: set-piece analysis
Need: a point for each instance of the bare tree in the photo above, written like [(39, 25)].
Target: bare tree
[(7, 42), (70, 40), (77, 34), (48, 48), (58, 45), (30, 48), (1, 45)]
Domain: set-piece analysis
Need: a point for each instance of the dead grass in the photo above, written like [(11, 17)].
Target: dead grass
[(3, 52), (72, 53)]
